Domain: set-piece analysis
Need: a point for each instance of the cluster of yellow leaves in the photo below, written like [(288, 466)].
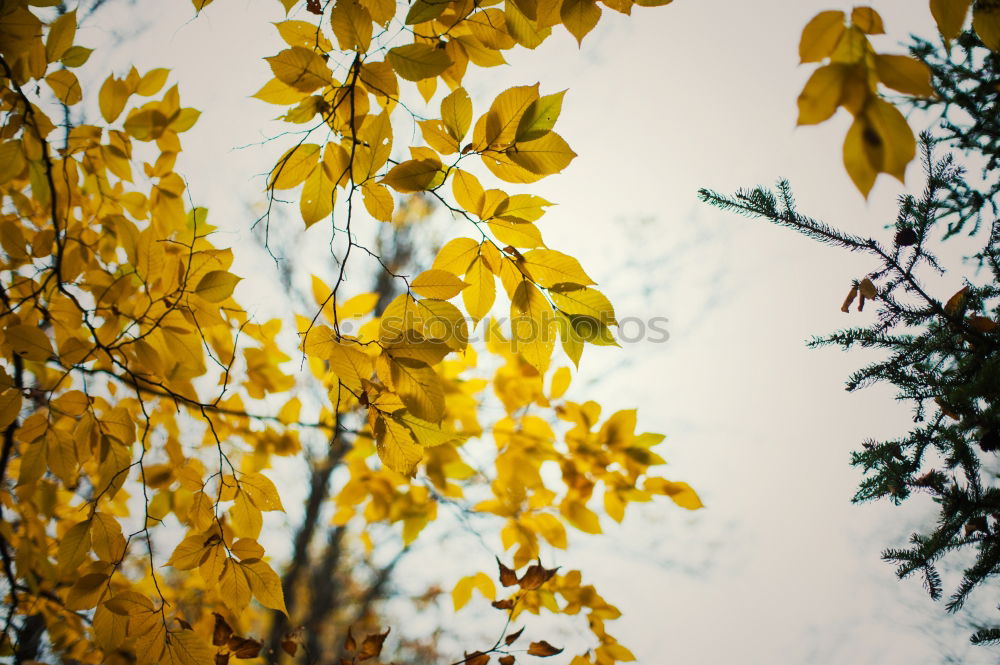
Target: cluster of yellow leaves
[(116, 308), (130, 373), (879, 140)]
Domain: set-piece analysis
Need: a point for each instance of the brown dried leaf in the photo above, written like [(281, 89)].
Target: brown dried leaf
[(372, 645), (535, 576), (350, 644), (244, 647), (222, 631), (982, 324), (507, 576), (543, 649), (476, 658), (510, 639), (956, 302), (849, 300), (506, 604), (867, 289), (507, 660)]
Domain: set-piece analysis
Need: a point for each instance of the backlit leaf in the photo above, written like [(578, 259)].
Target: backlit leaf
[(418, 61), (905, 74), (580, 17), (437, 284), (300, 68), (217, 285), (549, 268), (820, 36), (950, 16)]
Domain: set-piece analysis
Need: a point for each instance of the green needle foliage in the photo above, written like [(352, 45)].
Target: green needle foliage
[(941, 350)]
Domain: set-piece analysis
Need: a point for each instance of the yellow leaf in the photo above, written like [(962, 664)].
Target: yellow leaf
[(217, 285), (261, 491), (572, 344), (580, 17), (419, 386), (316, 201), (65, 86), (489, 27), (580, 516), (112, 97), (396, 447), (378, 201), (10, 406), (526, 31), (413, 175), (11, 161), (867, 20), (76, 56), (348, 362), (533, 325), (294, 166), (303, 33), (359, 305), (418, 61), (463, 589), (424, 10), (822, 93), (467, 191), (87, 591), (352, 25), (516, 234), (301, 68), (456, 113), (62, 31), (437, 284), (425, 433), (879, 141), (820, 36), (905, 74), (29, 342), (107, 538), (950, 16), (479, 297), (585, 301), (184, 119), (680, 493), (498, 126), (543, 156), (437, 137), (185, 647), (986, 23), (152, 81), (245, 548), (540, 117), (550, 268), (381, 80), (276, 92), (234, 586), (560, 382), (190, 551), (146, 124), (72, 403), (246, 518), (587, 329), (73, 547), (456, 256)]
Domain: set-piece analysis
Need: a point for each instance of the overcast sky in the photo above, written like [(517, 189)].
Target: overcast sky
[(780, 568)]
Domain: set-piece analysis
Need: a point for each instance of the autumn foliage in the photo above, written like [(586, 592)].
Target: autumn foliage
[(143, 408)]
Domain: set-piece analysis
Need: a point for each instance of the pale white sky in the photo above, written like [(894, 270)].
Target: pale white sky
[(780, 568)]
